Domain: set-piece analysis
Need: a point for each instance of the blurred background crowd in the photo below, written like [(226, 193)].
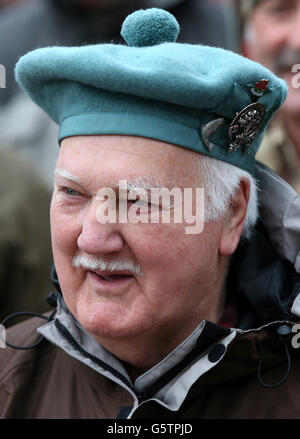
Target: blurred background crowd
[(267, 31)]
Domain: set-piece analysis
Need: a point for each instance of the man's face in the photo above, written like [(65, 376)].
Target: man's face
[(275, 41), (180, 284)]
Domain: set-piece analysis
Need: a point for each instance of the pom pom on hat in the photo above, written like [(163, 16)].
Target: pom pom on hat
[(150, 27)]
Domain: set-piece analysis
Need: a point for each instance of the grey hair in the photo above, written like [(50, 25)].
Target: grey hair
[(221, 181)]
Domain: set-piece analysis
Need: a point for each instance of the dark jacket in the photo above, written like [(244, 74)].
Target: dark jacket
[(248, 370)]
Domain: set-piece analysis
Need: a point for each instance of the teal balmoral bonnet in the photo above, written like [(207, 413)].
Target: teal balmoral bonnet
[(206, 99)]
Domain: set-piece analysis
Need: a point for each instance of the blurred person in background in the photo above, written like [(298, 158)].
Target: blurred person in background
[(4, 3), (272, 37), (25, 250)]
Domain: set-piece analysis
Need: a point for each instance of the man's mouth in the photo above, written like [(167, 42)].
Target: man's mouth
[(105, 278), (285, 71), (113, 277)]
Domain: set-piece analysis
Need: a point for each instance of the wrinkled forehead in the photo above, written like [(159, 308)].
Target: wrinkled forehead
[(113, 156)]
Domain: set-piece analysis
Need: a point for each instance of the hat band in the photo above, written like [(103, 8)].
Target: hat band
[(131, 125), (146, 126)]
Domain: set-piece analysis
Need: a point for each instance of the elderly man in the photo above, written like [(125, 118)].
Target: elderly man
[(148, 304), (272, 37)]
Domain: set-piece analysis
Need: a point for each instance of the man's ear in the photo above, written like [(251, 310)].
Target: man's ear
[(234, 221)]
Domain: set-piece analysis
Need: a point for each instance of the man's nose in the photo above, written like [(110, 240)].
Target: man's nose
[(96, 238), (294, 30)]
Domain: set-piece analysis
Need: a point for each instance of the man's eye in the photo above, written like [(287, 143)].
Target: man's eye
[(278, 6), (139, 202), (70, 192)]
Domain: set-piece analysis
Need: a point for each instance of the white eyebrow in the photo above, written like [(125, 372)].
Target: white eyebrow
[(139, 185), (66, 174)]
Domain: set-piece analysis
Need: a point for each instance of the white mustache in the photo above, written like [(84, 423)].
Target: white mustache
[(93, 263), (286, 59)]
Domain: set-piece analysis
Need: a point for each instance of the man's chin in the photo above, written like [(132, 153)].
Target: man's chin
[(108, 321)]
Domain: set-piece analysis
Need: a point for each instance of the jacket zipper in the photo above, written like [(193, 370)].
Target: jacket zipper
[(70, 339)]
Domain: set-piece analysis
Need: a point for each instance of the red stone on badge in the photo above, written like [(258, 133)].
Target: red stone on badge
[(260, 87)]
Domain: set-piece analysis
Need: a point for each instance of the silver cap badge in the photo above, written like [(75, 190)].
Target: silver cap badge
[(245, 127)]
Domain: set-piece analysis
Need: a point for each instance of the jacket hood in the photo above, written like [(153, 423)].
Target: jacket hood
[(264, 279), (280, 214)]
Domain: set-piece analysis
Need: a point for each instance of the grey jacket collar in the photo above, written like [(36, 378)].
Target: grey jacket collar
[(170, 395)]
